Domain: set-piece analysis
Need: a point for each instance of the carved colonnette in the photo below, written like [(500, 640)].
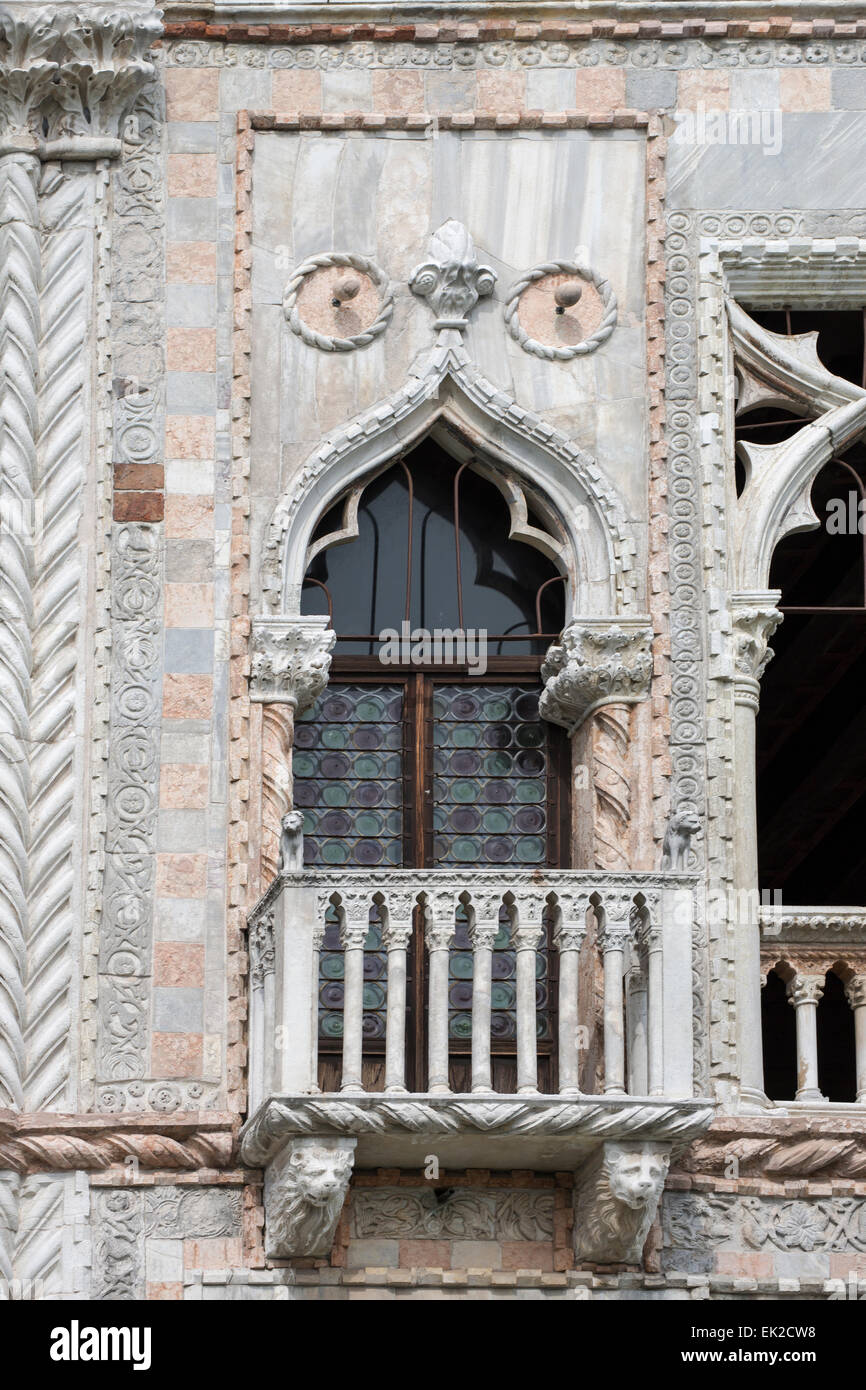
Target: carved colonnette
[(65, 90)]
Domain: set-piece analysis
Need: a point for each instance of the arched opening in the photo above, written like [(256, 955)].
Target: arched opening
[(779, 1039), (837, 1071), (429, 541), (442, 577), (811, 737)]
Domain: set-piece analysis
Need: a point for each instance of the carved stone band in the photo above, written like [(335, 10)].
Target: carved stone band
[(593, 340), (49, 1142), (370, 1117), (291, 658), (597, 661), (326, 342)]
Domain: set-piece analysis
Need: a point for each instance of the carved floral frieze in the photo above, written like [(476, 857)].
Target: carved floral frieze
[(696, 1222), (457, 1214)]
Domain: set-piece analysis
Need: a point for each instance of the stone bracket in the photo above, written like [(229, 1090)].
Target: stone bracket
[(617, 1195), (597, 661), (305, 1188)]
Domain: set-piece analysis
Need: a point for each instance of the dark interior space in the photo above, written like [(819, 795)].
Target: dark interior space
[(406, 549), (779, 1035), (837, 1073)]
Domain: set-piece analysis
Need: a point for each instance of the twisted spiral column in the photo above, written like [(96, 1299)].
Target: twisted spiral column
[(278, 728), (19, 362), (56, 619), (610, 738)]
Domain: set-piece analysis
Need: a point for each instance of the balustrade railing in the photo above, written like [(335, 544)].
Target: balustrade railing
[(641, 925)]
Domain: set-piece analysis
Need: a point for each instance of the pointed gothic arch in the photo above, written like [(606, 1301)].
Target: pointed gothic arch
[(457, 406)]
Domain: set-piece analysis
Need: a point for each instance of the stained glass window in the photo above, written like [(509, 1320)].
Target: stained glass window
[(348, 769), (490, 776)]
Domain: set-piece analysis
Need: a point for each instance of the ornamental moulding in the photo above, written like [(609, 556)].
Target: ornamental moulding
[(446, 385), (579, 268), (596, 662), (368, 1116), (44, 1142), (291, 658)]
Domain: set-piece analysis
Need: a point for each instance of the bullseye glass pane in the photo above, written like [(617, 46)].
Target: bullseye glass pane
[(348, 771), (490, 790)]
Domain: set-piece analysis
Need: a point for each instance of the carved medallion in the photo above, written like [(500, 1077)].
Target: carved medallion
[(338, 302), (561, 309)]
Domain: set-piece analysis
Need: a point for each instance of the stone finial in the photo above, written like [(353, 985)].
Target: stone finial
[(596, 662), (452, 281), (291, 659), (618, 1193), (305, 1187), (69, 80)]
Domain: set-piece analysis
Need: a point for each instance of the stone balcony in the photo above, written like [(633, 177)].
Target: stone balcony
[(623, 944)]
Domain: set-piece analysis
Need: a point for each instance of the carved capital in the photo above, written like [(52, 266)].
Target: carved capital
[(69, 80), (569, 931), (855, 991), (617, 921), (596, 662), (354, 920), (291, 659), (439, 908), (396, 936), (805, 989), (617, 1197), (483, 935), (305, 1187), (755, 619), (452, 281)]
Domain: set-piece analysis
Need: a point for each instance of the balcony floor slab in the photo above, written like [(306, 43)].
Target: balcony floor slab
[(545, 1133)]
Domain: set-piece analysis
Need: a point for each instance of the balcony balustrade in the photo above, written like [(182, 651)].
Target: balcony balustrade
[(621, 946)]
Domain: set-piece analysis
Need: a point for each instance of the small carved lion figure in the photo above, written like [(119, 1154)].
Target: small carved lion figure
[(617, 1200), (304, 1197), (678, 840), (291, 842)]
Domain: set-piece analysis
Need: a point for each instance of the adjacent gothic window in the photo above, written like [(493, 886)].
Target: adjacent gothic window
[(427, 751), (811, 736)]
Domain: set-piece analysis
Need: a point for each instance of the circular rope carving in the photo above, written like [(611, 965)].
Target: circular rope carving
[(322, 340), (561, 354)]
